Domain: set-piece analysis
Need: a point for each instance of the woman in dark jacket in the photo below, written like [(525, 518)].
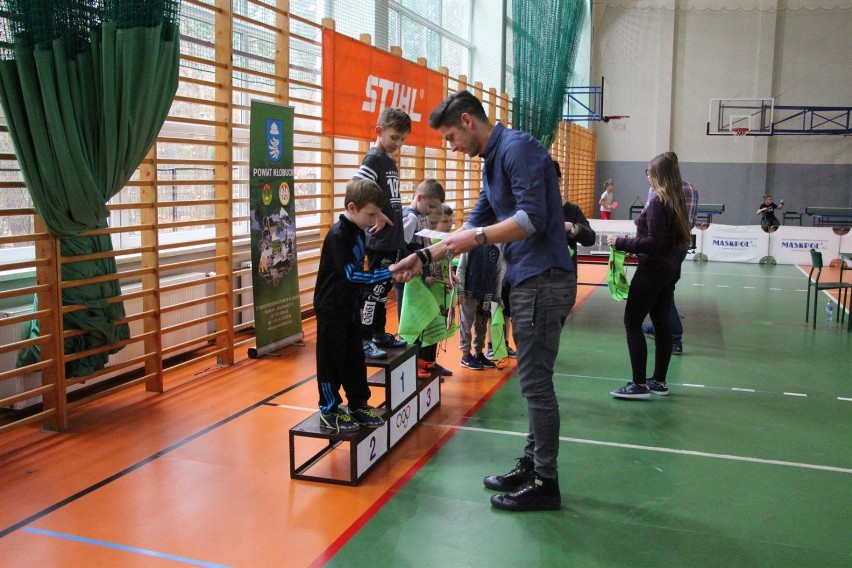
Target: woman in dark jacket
[(662, 232)]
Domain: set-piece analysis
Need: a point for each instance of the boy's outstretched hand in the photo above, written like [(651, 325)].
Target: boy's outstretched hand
[(406, 269)]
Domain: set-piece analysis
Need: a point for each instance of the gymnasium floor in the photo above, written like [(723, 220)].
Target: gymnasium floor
[(746, 463)]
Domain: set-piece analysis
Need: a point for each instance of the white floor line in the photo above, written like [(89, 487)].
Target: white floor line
[(289, 407), (654, 449), (737, 389)]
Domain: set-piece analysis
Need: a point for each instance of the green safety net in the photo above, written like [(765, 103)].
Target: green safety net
[(85, 87), (547, 35)]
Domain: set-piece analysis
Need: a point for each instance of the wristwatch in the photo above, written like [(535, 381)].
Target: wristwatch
[(480, 237)]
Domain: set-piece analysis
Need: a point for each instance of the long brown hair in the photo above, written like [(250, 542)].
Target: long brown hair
[(666, 173)]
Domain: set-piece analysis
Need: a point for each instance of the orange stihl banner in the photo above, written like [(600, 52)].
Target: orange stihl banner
[(360, 81)]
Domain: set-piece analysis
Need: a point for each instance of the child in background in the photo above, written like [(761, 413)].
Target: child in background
[(428, 201), (340, 355), (606, 200), (768, 221), (384, 240), (438, 274), (480, 275)]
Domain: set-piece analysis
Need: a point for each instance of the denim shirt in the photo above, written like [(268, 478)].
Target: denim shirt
[(519, 182)]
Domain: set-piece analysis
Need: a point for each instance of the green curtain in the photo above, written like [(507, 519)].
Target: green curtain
[(85, 88), (547, 34)]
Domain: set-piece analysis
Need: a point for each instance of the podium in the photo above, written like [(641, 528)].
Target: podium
[(344, 459)]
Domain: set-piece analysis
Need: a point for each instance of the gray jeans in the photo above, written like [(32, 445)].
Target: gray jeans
[(539, 306)]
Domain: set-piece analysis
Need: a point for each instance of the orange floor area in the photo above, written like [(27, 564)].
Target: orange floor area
[(200, 473)]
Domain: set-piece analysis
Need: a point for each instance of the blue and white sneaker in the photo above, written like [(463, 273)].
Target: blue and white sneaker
[(373, 352), (632, 390), (648, 330), (661, 389)]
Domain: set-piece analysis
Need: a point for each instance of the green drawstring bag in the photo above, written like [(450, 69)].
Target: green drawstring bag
[(616, 279)]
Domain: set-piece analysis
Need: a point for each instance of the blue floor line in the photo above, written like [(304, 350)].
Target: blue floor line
[(132, 549)]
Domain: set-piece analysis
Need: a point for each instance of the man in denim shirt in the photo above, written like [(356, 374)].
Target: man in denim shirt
[(519, 205)]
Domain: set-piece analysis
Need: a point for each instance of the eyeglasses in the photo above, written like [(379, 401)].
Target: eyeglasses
[(647, 171)]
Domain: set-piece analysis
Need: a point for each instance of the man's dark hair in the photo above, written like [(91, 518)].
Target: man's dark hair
[(449, 112), (395, 118), (362, 192)]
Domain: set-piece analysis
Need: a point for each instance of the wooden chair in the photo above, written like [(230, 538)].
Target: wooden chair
[(842, 287)]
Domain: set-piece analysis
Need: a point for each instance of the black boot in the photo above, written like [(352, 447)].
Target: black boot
[(537, 494), (512, 480)]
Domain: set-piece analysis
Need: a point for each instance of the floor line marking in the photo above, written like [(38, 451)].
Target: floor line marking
[(145, 461), (777, 289), (750, 287), (125, 548), (655, 449), (738, 389), (291, 407)]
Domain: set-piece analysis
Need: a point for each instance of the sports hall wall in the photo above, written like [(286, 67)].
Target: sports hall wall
[(663, 61)]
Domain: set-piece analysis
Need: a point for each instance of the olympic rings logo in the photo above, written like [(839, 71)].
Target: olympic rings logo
[(403, 416)]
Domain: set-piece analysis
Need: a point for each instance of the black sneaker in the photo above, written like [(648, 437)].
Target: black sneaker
[(677, 349), (512, 480), (661, 389), (485, 361), (443, 371), (471, 362), (373, 352), (632, 390), (386, 340), (511, 353), (338, 421), (366, 416), (536, 494)]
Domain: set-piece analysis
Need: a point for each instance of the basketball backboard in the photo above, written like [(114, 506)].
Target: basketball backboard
[(728, 117)]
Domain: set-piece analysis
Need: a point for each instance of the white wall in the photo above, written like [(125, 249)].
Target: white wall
[(665, 59)]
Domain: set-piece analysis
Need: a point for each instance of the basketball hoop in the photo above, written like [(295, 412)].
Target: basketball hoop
[(739, 131)]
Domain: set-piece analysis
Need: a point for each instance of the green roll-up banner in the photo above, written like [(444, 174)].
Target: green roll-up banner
[(275, 279)]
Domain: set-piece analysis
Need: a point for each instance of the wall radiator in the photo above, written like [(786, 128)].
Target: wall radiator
[(200, 287)]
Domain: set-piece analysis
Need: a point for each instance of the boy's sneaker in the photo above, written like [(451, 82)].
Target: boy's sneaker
[(511, 353), (338, 421), (632, 390), (471, 362), (373, 352), (386, 340), (677, 349), (485, 361), (661, 389), (648, 330), (443, 371), (366, 416), (490, 352)]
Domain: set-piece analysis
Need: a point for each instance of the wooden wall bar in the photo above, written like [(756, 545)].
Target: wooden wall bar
[(180, 227)]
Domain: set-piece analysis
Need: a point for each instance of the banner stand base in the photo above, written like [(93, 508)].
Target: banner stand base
[(255, 353), (768, 260)]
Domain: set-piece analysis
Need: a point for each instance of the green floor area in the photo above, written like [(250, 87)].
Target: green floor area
[(747, 463)]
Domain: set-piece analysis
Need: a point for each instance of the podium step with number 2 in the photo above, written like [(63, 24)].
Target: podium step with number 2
[(344, 459)]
